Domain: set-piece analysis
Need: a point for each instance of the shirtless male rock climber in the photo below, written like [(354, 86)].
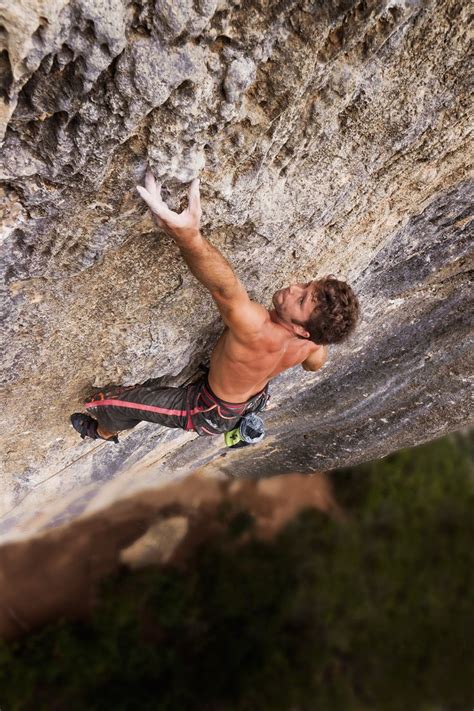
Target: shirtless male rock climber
[(256, 345)]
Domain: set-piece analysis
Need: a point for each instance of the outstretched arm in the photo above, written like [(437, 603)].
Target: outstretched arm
[(205, 261)]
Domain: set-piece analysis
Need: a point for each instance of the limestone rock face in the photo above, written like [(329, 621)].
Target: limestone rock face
[(329, 137)]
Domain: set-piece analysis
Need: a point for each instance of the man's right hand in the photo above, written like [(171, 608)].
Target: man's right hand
[(183, 227)]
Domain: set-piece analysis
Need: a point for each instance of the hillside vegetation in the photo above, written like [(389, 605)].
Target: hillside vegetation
[(373, 613)]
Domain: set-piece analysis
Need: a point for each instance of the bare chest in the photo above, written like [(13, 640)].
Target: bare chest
[(239, 370)]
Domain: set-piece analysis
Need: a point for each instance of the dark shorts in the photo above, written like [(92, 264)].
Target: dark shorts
[(190, 407)]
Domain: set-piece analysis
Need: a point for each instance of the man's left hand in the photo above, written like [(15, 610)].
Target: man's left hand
[(182, 227)]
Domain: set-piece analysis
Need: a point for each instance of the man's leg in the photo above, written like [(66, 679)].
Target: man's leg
[(122, 408), (190, 407)]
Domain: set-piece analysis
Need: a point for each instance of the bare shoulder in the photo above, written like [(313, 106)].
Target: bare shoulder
[(244, 317), (316, 357), (259, 335)]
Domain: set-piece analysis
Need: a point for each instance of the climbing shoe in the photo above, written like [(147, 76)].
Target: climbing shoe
[(87, 427)]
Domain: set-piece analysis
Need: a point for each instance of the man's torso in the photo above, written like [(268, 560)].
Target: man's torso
[(241, 369)]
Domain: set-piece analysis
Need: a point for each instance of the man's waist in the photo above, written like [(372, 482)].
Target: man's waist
[(210, 400), (210, 414), (237, 396)]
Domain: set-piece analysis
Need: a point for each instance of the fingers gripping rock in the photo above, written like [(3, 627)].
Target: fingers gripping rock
[(177, 225)]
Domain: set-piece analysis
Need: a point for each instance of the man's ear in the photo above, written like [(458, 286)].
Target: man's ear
[(300, 330)]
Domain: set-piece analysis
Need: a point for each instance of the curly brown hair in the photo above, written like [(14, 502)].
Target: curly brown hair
[(336, 312)]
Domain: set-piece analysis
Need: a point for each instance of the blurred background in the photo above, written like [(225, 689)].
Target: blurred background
[(366, 603)]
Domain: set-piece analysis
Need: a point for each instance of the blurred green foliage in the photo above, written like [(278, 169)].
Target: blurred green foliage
[(373, 614)]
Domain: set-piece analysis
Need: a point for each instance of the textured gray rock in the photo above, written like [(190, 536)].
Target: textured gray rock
[(329, 138)]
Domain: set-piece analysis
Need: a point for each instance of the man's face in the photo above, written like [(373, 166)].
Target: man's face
[(295, 302)]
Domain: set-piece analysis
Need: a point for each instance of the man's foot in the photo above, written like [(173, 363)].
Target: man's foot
[(87, 427)]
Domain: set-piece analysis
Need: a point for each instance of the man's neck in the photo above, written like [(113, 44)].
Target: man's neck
[(280, 322)]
